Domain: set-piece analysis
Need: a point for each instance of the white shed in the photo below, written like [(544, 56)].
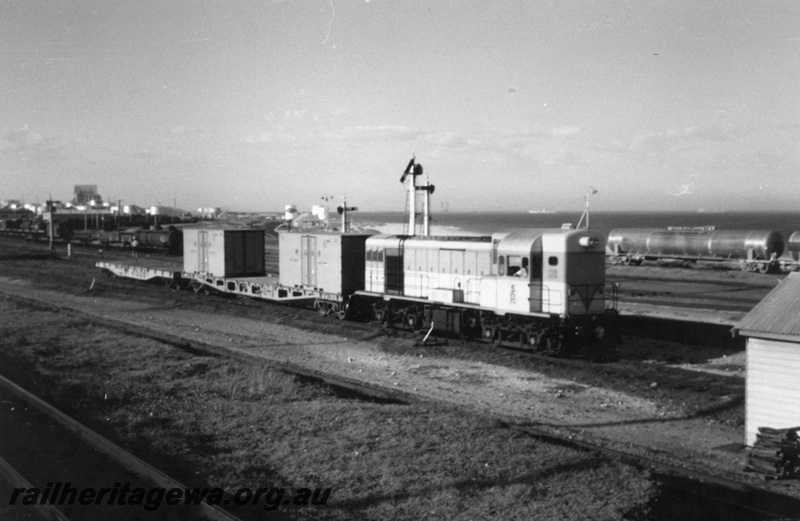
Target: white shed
[(772, 388)]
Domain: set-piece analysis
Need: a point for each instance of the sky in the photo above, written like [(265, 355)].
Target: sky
[(507, 105)]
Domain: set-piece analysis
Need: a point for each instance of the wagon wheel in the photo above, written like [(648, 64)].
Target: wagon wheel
[(625, 261), (322, 308), (487, 333), (196, 286), (762, 267)]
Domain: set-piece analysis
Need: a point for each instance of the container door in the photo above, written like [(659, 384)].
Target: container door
[(394, 271), (202, 252), (308, 260)]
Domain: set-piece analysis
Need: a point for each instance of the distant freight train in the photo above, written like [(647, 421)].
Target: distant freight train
[(169, 239), (755, 250)]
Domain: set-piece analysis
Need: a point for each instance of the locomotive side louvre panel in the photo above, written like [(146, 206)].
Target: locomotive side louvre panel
[(393, 269), (374, 277), (446, 269)]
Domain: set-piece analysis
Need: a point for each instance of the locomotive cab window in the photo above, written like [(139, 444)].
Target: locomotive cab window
[(517, 266)]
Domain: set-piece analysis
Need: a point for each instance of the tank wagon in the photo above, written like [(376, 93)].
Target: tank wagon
[(170, 239), (755, 250), (793, 247)]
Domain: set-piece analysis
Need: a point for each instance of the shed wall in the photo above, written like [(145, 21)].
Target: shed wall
[(772, 388)]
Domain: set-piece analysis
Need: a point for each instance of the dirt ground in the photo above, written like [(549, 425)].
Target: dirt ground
[(673, 403)]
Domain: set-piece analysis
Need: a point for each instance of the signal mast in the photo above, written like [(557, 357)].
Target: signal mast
[(413, 170)]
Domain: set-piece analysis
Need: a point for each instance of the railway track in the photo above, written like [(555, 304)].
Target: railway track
[(725, 493), (693, 290), (35, 431)]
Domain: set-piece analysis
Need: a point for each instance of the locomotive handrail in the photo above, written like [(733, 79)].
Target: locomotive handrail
[(614, 286)]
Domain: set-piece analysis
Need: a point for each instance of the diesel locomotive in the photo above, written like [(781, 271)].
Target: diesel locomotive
[(541, 289)]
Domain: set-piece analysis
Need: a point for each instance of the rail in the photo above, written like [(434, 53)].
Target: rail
[(109, 448)]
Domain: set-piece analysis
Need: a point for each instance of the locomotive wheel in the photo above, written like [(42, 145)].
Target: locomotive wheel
[(411, 321), (763, 267), (625, 261), (498, 337)]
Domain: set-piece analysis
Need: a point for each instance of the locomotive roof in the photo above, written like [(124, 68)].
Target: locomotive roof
[(446, 238), (565, 239)]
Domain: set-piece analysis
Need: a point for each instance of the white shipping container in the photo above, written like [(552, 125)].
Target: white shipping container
[(224, 252)]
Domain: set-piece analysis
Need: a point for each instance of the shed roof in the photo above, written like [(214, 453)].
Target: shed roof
[(777, 316)]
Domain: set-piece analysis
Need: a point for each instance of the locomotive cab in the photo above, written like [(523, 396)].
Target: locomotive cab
[(559, 272)]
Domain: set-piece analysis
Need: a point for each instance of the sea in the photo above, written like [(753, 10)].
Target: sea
[(485, 223)]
